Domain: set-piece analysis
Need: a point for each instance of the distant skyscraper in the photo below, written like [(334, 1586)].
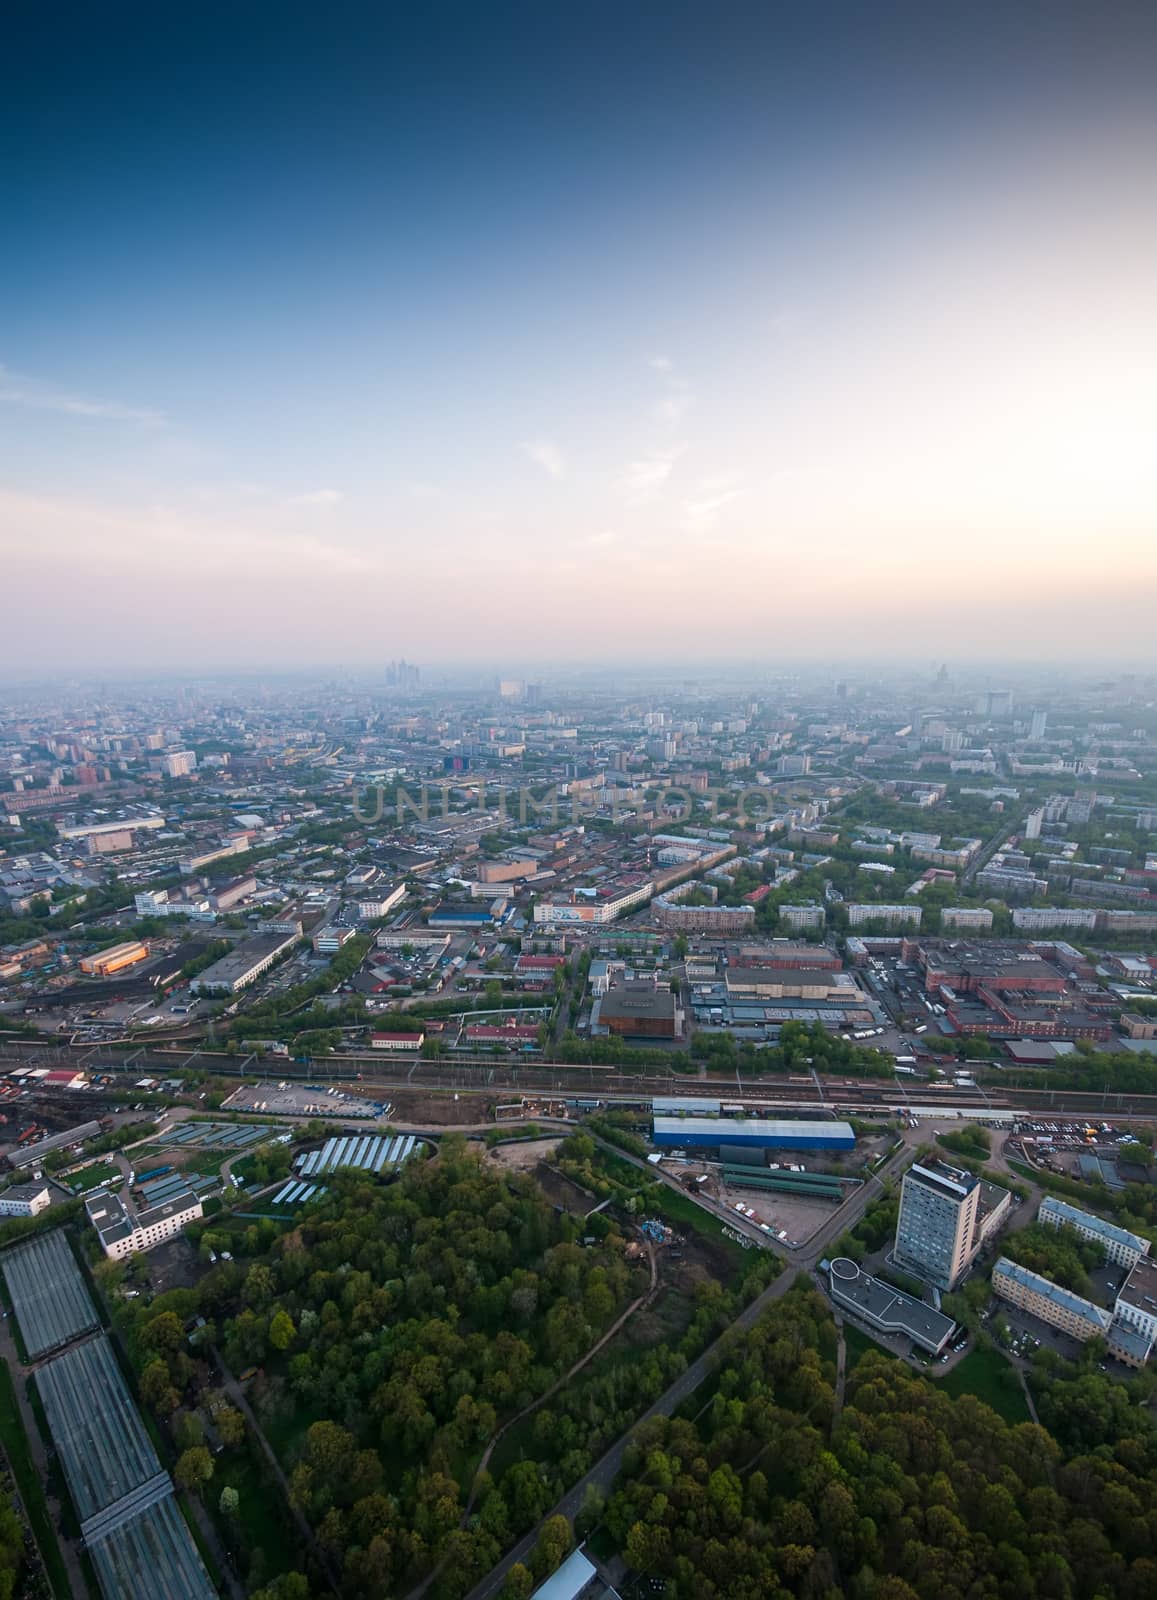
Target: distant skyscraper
[(1040, 721)]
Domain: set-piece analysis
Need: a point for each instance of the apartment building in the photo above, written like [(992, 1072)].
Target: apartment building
[(798, 918), (1136, 1310), (1060, 1308), (1037, 918), (887, 916), (970, 919), (1119, 1244)]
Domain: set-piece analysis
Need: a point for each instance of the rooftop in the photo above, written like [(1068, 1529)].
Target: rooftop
[(886, 1308), (946, 1181), (1140, 1287)]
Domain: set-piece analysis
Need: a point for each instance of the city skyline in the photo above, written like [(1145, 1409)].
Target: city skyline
[(497, 336)]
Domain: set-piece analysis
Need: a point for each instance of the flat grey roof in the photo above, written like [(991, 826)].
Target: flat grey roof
[(99, 1437), (886, 1308), (33, 1154), (647, 1000), (49, 1296), (110, 1217)]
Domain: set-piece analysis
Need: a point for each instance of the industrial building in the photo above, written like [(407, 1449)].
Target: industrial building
[(242, 965), (140, 1545), (49, 1298), (793, 983), (638, 1011), (886, 1310), (32, 1155), (115, 959), (751, 1133)]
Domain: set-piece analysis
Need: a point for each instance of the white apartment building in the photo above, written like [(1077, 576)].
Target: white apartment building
[(889, 916), (1119, 1244), (971, 918), (1039, 917)]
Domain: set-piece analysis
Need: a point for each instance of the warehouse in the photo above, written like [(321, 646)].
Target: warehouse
[(33, 1155), (49, 1297), (115, 959), (244, 964), (753, 1133), (638, 1011)]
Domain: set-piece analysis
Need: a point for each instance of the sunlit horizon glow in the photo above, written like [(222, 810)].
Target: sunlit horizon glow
[(744, 341)]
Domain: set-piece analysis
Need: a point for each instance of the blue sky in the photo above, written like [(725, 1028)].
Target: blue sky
[(352, 332)]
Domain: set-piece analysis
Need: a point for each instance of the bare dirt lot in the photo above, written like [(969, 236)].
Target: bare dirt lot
[(423, 1108), (524, 1157)]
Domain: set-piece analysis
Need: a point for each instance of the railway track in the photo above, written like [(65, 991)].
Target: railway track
[(489, 1077)]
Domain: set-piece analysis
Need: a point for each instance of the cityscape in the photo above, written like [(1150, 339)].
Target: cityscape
[(578, 803)]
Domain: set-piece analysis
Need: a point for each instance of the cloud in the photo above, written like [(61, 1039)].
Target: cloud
[(699, 515), (318, 497), (546, 455), (679, 398), (644, 478), (33, 395)]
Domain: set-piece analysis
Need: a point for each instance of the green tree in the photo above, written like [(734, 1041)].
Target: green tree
[(193, 1469)]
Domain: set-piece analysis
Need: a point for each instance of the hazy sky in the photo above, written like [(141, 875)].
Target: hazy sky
[(330, 333)]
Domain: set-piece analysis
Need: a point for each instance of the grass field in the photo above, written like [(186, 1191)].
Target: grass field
[(987, 1375), (19, 1454), (100, 1172)]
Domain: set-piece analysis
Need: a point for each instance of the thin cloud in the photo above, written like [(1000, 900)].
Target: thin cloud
[(318, 497), (546, 455), (679, 398), (18, 390), (699, 515), (644, 478)]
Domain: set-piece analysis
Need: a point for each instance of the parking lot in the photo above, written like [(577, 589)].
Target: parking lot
[(303, 1100)]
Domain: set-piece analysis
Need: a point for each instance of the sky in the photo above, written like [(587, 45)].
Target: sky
[(331, 334)]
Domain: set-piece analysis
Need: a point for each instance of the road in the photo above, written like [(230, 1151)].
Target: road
[(606, 1469)]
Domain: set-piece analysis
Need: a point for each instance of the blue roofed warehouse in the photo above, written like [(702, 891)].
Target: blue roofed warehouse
[(753, 1133)]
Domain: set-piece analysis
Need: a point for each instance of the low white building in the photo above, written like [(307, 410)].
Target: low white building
[(23, 1199), (123, 1231)]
